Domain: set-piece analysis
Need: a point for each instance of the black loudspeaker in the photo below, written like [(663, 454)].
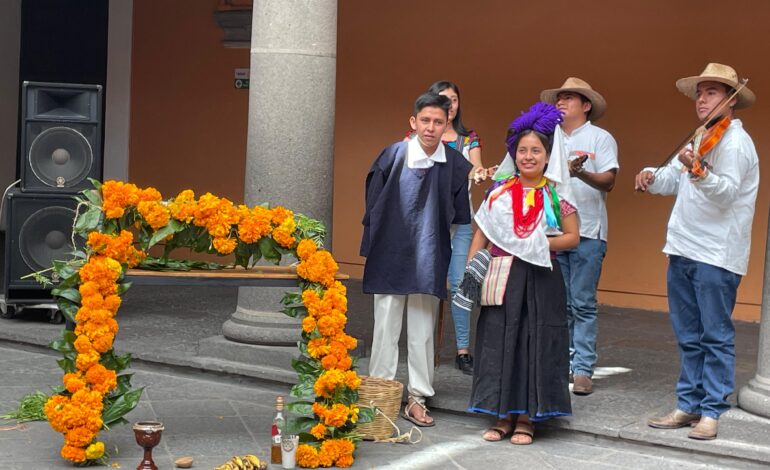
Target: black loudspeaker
[(61, 137), (39, 231)]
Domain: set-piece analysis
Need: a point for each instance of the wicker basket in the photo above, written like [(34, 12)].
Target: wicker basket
[(386, 396)]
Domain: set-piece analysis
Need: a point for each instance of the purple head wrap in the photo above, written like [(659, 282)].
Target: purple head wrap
[(541, 117)]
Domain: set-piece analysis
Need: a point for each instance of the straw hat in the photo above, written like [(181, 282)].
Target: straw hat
[(576, 85), (717, 73)]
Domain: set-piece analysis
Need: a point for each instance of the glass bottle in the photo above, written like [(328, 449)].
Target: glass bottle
[(277, 429)]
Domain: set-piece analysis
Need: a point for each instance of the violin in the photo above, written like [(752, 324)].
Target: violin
[(706, 135), (708, 140)]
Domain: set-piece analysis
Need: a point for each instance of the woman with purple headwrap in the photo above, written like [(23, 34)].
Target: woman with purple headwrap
[(522, 345)]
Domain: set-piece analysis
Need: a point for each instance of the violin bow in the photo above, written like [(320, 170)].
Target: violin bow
[(713, 114)]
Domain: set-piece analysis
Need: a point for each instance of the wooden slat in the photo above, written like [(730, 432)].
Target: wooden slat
[(256, 273)]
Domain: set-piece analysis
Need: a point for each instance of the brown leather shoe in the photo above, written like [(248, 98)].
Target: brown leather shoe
[(675, 419), (582, 385), (705, 430)]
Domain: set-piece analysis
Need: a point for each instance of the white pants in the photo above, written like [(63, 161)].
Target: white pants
[(421, 310)]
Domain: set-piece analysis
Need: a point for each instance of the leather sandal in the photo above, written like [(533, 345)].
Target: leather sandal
[(523, 434), (498, 432), (407, 415)]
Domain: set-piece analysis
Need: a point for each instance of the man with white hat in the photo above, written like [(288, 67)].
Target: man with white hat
[(593, 156), (715, 180)]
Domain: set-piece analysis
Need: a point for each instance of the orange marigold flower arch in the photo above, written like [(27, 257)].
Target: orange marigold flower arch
[(120, 223)]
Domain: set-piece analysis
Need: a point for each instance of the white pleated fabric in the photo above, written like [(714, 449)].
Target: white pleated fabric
[(497, 222)]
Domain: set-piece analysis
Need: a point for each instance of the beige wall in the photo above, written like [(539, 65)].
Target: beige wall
[(188, 123)]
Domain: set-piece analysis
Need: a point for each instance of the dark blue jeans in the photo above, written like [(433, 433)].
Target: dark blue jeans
[(701, 298), (581, 268)]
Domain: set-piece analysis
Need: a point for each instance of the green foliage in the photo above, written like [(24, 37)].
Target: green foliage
[(310, 228), (115, 409), (303, 390), (301, 408), (366, 414), (173, 226), (159, 264), (30, 408), (90, 220), (115, 362), (268, 248), (66, 346)]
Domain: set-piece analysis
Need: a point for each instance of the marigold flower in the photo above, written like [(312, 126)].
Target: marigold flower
[(83, 345), (112, 303), (305, 248), (336, 416), (117, 197), (85, 361), (102, 380), (352, 381), (79, 437), (308, 324), (307, 456), (318, 431), (183, 207), (149, 194), (317, 347), (225, 246), (329, 362), (154, 213), (73, 454), (279, 214), (344, 461), (283, 233), (95, 451), (354, 410), (327, 382), (319, 267), (343, 363), (73, 382), (254, 224)]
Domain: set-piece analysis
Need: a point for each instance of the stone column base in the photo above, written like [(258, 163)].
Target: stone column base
[(264, 362), (755, 396), (260, 327)]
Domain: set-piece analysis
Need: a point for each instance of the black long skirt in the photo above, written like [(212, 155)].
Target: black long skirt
[(522, 348)]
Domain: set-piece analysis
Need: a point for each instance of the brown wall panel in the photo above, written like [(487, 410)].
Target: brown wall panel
[(188, 122), (503, 53)]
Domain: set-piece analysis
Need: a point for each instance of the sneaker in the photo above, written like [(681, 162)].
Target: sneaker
[(464, 362)]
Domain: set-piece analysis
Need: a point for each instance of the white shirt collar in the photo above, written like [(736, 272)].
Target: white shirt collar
[(417, 158), (577, 129)]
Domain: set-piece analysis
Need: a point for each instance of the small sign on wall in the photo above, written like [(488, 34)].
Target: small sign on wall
[(241, 79)]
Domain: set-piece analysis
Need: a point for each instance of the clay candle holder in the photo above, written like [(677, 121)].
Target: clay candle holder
[(147, 435)]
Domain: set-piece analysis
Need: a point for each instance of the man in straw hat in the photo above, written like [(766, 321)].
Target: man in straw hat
[(707, 244), (593, 156)]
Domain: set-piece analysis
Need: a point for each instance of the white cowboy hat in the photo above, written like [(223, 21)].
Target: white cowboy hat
[(717, 73), (576, 85)]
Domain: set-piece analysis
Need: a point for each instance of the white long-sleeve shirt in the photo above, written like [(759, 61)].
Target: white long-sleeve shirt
[(712, 216)]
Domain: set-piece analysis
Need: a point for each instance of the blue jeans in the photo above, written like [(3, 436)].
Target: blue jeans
[(461, 243), (701, 298), (581, 267)]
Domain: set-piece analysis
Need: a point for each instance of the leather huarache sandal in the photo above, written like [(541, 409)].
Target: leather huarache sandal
[(407, 414), (499, 431), (523, 434)]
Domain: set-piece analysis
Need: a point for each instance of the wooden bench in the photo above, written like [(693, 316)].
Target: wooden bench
[(258, 276)]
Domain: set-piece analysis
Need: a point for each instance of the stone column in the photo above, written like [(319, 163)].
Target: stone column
[(290, 138), (755, 396)]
